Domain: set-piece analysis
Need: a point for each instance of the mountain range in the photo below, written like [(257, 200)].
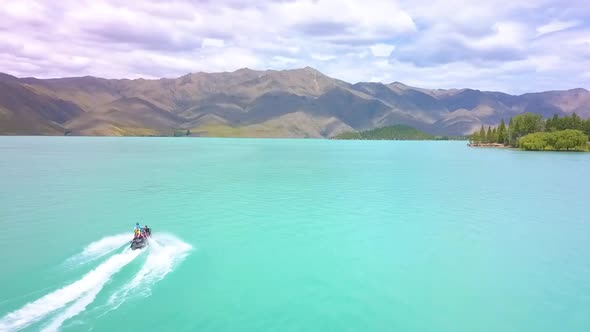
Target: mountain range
[(249, 103)]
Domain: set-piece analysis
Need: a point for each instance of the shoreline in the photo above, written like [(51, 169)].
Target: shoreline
[(489, 145), (502, 146)]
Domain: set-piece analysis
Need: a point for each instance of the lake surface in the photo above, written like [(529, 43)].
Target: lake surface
[(291, 235)]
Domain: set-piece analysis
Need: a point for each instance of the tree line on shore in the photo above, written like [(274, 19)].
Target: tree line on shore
[(531, 132)]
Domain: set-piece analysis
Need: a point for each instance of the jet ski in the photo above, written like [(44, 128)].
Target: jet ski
[(139, 242)]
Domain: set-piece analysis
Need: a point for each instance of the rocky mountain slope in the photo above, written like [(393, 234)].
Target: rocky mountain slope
[(289, 103)]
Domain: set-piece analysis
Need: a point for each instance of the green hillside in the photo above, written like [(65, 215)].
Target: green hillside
[(395, 132)]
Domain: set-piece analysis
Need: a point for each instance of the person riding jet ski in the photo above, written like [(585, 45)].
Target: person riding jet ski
[(147, 230), (137, 230), (139, 237)]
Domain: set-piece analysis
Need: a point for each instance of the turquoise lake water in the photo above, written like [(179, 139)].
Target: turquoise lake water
[(291, 235)]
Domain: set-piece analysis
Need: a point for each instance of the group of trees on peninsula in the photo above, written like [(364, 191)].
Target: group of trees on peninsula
[(531, 132)]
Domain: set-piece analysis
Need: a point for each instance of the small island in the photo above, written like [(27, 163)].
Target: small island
[(531, 132)]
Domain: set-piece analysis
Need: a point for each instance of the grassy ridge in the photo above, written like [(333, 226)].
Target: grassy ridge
[(245, 131), (395, 132)]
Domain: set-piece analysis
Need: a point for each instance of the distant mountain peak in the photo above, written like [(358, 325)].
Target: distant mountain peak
[(6, 77), (305, 70), (397, 83), (312, 70), (245, 70)]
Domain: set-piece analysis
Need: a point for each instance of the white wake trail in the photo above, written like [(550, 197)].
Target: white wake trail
[(76, 308), (95, 279), (100, 248), (164, 253)]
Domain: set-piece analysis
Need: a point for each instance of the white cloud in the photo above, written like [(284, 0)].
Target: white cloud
[(554, 26), (212, 42), (545, 62), (360, 55), (382, 50), (506, 34), (25, 11), (281, 61), (322, 57), (344, 19)]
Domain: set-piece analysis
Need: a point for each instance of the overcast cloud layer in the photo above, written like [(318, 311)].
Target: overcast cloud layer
[(516, 46)]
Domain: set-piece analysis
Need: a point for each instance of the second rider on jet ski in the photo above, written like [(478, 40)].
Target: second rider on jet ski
[(139, 231)]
